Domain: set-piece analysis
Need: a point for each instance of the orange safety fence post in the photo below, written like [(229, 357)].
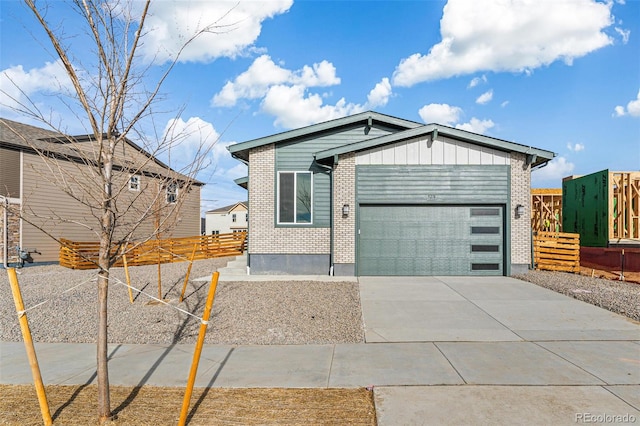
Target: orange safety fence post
[(28, 343), (198, 351), (186, 279)]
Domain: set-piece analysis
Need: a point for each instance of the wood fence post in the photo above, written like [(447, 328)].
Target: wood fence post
[(198, 350), (186, 278), (31, 351)]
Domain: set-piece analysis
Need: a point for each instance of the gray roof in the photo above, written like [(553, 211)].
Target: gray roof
[(406, 130), (241, 150), (25, 137)]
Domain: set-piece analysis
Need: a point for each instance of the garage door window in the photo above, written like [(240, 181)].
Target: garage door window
[(485, 266), (485, 230), (295, 197), (485, 212), (485, 248)]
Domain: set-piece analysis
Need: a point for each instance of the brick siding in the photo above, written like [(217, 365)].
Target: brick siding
[(344, 183), (520, 194), (265, 237)]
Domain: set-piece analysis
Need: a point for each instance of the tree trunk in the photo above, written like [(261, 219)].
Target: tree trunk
[(104, 262), (104, 402)]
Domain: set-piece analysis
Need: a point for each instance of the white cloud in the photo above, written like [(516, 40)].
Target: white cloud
[(504, 104), (518, 35), (263, 74), (194, 144), (238, 171), (284, 93), (576, 147), (624, 34), (476, 81), (485, 97), (633, 108), (18, 85), (440, 114), (234, 28), (379, 95), (450, 116), (619, 111), (476, 126), (293, 107), (555, 170)]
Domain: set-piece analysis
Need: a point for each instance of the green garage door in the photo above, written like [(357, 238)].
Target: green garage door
[(430, 240)]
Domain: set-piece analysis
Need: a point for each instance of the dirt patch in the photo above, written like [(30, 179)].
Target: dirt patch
[(76, 405), (630, 277)]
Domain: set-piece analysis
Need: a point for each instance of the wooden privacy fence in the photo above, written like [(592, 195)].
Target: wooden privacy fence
[(84, 255), (556, 251)]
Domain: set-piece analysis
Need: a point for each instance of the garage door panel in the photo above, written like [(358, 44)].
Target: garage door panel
[(431, 240)]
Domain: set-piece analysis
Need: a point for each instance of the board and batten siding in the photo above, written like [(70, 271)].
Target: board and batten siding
[(432, 184), (298, 156), (425, 151)]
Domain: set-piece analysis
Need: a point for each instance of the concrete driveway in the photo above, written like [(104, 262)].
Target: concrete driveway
[(480, 309), (526, 354)]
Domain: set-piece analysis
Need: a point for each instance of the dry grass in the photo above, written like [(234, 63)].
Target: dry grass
[(76, 405)]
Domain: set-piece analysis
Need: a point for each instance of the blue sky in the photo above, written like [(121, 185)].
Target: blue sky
[(558, 75)]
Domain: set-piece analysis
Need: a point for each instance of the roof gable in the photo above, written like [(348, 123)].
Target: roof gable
[(229, 208), (19, 136), (368, 118), (537, 156)]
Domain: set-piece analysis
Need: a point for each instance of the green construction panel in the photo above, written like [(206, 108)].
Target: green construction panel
[(585, 208), (413, 240)]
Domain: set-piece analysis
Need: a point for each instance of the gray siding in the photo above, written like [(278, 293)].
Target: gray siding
[(9, 173), (432, 184), (298, 156)]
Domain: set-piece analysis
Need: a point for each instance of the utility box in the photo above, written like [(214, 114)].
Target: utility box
[(602, 207)]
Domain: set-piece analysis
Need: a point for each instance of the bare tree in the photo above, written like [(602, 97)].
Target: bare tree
[(127, 194)]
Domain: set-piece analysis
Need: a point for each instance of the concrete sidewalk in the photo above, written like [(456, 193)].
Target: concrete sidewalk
[(453, 350)]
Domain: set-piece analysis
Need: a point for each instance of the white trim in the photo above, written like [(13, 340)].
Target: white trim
[(295, 204), (132, 189), (166, 192)]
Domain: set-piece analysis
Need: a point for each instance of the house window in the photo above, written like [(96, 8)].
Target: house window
[(233, 217), (215, 232), (246, 217), (295, 197), (134, 183), (172, 192)]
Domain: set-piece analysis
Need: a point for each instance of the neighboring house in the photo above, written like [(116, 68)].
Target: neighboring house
[(233, 218), (32, 185), (372, 194)]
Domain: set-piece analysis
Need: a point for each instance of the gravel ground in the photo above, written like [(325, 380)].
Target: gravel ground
[(261, 313), (258, 313), (616, 296)]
